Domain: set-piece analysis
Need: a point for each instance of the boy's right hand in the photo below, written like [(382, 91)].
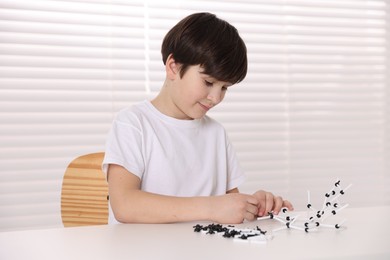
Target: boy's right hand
[(233, 208)]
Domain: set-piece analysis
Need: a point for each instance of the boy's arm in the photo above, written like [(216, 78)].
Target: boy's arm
[(235, 190), (132, 205)]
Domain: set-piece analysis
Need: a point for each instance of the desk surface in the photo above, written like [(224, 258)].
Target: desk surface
[(366, 237)]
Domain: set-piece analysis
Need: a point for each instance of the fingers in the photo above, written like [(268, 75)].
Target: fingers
[(261, 208), (260, 203), (252, 211), (288, 205), (239, 207), (278, 204), (250, 217), (252, 200), (267, 202)]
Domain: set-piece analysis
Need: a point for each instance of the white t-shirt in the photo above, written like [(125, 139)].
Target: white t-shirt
[(170, 156)]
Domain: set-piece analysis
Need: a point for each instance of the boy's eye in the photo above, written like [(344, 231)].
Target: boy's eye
[(208, 83)]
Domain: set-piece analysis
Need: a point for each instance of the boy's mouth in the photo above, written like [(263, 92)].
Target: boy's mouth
[(207, 108)]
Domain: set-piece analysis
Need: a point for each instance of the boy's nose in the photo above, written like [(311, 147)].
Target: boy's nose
[(215, 96)]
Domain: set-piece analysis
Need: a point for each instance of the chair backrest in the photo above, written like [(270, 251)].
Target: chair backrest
[(84, 195)]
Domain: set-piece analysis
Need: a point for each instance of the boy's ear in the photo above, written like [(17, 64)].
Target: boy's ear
[(172, 69)]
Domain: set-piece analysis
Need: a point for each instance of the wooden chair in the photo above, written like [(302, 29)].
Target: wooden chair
[(84, 195)]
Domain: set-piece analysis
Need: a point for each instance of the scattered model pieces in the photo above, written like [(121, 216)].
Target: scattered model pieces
[(255, 235)]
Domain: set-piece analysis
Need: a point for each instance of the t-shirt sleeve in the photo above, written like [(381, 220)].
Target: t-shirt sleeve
[(124, 146), (236, 175)]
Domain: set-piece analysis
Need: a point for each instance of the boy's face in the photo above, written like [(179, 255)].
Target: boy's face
[(196, 93)]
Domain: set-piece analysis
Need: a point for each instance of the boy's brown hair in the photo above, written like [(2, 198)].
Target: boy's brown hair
[(205, 40)]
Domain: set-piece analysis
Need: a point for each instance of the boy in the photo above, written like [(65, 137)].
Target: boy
[(166, 161)]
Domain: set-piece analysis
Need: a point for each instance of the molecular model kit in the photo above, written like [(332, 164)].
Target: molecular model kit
[(314, 220)]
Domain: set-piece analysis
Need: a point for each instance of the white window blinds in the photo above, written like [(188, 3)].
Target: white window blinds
[(313, 108)]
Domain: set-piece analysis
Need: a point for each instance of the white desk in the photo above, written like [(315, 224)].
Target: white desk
[(366, 237)]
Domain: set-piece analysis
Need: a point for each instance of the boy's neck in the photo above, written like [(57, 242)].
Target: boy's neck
[(163, 103)]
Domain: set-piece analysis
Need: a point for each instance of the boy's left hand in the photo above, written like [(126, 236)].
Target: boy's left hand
[(267, 202)]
